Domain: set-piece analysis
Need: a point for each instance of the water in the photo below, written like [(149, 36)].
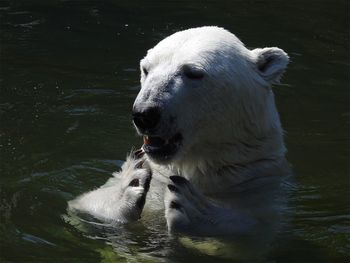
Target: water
[(69, 75)]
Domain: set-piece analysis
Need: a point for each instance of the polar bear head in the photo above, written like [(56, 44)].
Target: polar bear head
[(203, 92)]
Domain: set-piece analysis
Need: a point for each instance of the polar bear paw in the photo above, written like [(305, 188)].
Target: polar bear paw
[(135, 181), (123, 197), (186, 209)]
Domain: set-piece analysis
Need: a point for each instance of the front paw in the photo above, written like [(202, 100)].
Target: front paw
[(135, 181), (122, 198), (186, 209)]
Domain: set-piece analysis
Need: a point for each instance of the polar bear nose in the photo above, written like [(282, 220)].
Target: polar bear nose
[(146, 120)]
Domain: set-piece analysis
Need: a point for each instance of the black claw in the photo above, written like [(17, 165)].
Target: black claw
[(138, 153), (135, 182), (175, 205), (140, 164), (178, 179), (147, 183), (141, 202), (173, 188)]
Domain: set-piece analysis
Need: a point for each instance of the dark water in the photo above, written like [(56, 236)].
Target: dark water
[(69, 75)]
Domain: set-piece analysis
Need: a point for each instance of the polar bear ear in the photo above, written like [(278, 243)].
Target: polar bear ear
[(271, 63)]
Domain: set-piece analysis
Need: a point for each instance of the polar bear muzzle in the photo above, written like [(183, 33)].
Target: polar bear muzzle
[(160, 143)]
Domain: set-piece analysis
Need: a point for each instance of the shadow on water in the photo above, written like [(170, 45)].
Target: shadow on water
[(68, 78)]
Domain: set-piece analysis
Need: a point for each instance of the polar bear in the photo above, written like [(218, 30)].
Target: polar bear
[(213, 155)]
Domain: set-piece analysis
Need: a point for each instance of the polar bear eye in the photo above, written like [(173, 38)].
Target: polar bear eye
[(193, 73), (145, 71)]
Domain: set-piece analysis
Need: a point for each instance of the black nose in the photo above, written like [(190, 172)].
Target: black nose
[(146, 120)]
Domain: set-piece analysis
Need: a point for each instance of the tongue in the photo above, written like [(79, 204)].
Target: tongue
[(146, 140)]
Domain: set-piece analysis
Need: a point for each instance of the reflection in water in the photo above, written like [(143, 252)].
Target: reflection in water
[(65, 100), (139, 241)]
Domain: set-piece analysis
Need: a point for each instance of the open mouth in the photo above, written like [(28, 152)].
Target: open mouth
[(159, 148)]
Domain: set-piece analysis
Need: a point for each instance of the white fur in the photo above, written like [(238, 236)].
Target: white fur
[(115, 201), (232, 151)]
